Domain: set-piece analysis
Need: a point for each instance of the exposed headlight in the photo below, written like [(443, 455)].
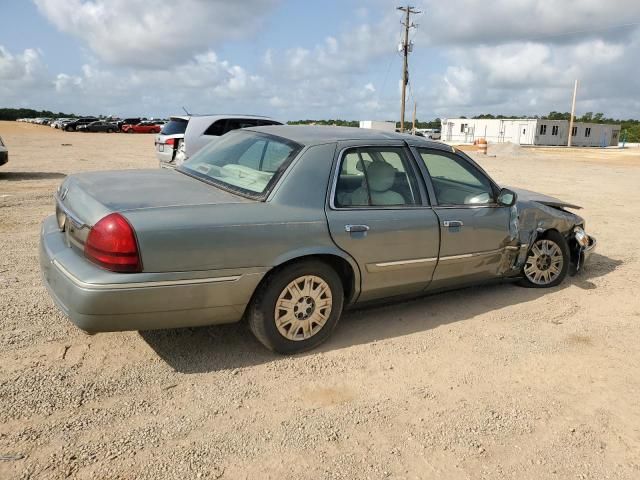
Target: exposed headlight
[(581, 237)]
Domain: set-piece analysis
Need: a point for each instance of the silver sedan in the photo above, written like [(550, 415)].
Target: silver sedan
[(285, 226)]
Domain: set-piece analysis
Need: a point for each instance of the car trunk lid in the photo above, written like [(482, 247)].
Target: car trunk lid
[(88, 197)]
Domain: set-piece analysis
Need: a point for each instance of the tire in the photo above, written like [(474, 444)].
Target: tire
[(302, 316), (130, 130), (546, 252)]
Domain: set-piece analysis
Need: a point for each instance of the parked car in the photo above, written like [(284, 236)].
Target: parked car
[(72, 126), (142, 127), (58, 122), (286, 225), (128, 121), (4, 152), (431, 133), (185, 135), (98, 126)]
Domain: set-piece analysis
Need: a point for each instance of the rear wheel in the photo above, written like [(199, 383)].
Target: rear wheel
[(297, 307), (547, 263)]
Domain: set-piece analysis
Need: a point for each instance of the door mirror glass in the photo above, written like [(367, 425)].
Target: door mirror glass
[(507, 197)]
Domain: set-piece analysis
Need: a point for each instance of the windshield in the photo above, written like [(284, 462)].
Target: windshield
[(243, 161), (174, 126)]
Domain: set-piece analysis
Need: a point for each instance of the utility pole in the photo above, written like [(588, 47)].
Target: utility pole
[(573, 112), (413, 129), (406, 48)]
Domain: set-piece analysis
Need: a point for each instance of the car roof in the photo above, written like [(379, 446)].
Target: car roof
[(219, 115), (319, 134)]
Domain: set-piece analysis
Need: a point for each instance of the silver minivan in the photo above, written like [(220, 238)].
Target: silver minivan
[(184, 135)]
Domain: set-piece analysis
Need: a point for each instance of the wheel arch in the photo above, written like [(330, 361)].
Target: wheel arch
[(341, 262)]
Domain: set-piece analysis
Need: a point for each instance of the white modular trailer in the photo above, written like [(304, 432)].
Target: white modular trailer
[(378, 125), (529, 131), (556, 132), (467, 130)]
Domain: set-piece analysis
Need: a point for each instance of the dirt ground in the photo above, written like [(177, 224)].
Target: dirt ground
[(484, 383)]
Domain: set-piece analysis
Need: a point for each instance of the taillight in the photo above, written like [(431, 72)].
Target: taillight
[(112, 245), (170, 141)]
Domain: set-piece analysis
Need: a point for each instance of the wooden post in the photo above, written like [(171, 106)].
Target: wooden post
[(413, 130), (573, 112)]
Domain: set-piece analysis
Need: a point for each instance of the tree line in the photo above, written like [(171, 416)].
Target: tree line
[(13, 114), (356, 123), (630, 127)]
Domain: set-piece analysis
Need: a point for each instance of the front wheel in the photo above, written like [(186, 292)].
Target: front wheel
[(547, 263), (297, 308)]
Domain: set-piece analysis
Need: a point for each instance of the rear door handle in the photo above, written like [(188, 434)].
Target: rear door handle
[(452, 223), (356, 228)]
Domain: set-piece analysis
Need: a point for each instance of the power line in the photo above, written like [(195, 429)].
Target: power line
[(577, 32)]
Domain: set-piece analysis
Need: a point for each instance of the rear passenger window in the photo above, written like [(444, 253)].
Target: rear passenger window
[(216, 128), (236, 123), (376, 177)]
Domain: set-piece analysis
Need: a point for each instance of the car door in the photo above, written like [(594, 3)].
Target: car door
[(474, 228), (378, 213)]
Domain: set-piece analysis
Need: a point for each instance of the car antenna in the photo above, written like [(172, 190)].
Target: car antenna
[(186, 111)]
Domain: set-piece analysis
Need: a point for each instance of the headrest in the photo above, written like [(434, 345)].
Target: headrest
[(380, 176)]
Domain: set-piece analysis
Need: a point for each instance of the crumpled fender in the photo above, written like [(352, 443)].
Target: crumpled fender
[(531, 218)]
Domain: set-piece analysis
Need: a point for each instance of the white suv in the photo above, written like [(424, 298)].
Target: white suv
[(184, 135)]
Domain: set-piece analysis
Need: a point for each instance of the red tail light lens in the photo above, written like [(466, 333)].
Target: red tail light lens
[(170, 141), (112, 245)]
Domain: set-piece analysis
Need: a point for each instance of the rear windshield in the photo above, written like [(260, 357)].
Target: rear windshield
[(243, 161), (174, 126)]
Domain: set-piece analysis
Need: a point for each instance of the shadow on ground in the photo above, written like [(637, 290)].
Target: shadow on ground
[(198, 350), (17, 176)]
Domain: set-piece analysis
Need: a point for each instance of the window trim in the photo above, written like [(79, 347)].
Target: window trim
[(429, 182), (422, 190)]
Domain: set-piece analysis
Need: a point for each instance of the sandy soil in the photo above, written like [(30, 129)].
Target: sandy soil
[(490, 382)]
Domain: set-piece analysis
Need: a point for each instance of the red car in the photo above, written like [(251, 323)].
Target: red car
[(143, 127)]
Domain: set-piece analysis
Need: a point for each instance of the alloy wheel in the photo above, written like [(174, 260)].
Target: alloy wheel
[(544, 263), (303, 308)]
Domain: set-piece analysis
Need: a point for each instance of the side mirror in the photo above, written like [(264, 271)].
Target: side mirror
[(507, 197)]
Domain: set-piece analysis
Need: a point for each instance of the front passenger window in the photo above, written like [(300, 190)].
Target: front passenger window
[(456, 181)]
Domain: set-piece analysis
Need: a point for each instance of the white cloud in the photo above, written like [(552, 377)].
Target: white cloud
[(471, 56), (472, 22), (158, 33), (515, 78), (22, 67)]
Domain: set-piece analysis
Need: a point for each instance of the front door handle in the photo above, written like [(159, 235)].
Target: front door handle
[(452, 223), (356, 228)]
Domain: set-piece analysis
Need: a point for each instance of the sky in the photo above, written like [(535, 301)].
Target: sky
[(319, 59)]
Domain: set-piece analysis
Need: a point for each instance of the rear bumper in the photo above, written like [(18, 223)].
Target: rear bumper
[(120, 302), (166, 155)]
